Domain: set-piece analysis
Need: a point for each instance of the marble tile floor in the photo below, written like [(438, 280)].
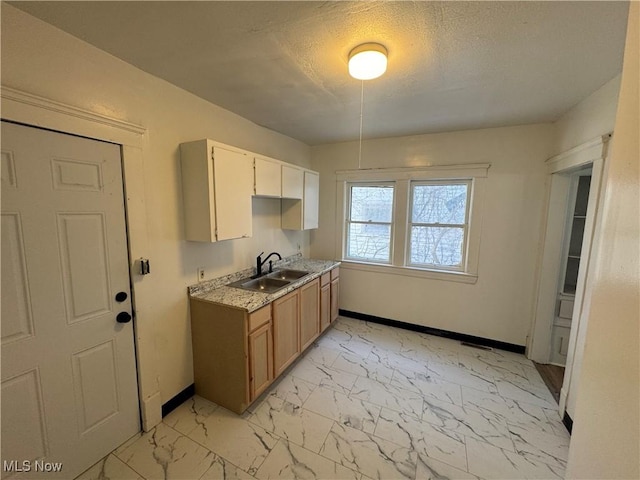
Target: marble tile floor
[(366, 401)]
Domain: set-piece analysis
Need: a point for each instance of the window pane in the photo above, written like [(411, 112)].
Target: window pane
[(439, 204), (436, 246), (371, 204), (369, 242)]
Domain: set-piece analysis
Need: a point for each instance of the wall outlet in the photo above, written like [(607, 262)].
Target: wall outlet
[(200, 274)]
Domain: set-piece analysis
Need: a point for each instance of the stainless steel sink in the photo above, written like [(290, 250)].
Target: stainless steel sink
[(263, 284), (286, 274)]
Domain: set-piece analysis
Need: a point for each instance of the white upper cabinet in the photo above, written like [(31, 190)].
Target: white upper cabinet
[(218, 182), (292, 182), (217, 185), (268, 177), (303, 214)]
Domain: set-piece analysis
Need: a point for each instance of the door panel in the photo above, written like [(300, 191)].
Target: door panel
[(17, 323), (69, 386), (23, 433), (96, 385), (309, 313), (74, 175), (286, 337), (84, 265)]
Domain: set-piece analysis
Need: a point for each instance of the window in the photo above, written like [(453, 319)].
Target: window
[(420, 222), (438, 224), (369, 222)]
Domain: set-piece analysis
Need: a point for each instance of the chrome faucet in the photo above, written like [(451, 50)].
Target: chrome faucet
[(260, 263)]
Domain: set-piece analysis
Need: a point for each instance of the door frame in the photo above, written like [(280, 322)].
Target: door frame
[(560, 169), (33, 110)]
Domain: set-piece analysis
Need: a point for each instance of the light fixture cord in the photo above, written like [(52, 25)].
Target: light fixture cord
[(361, 109)]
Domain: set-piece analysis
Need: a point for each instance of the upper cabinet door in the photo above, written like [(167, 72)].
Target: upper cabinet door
[(302, 215), (197, 191), (292, 182), (217, 184), (233, 180), (268, 177), (311, 200)]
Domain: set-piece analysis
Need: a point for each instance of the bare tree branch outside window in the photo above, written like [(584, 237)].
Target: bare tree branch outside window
[(369, 223), (438, 224)]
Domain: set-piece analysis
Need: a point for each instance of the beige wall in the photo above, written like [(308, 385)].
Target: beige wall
[(499, 305), (593, 116), (42, 60), (606, 435)]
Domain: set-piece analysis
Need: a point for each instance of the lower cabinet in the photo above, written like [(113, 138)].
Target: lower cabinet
[(286, 333), (232, 353), (237, 355)]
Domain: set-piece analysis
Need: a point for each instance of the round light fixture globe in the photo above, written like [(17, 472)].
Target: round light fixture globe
[(368, 61)]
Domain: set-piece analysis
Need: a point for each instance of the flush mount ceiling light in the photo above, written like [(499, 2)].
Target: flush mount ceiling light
[(368, 61)]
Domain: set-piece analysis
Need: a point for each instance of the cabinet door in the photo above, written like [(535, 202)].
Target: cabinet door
[(335, 297), (325, 307), (311, 200), (286, 336), (260, 360), (302, 215), (268, 177), (309, 313), (233, 185), (197, 191), (292, 182)]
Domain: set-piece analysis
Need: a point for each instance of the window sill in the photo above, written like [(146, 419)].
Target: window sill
[(459, 277)]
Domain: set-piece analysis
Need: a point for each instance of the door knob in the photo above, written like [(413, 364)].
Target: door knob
[(123, 317), (121, 297)]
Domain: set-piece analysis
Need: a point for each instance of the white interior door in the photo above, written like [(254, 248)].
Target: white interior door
[(69, 386)]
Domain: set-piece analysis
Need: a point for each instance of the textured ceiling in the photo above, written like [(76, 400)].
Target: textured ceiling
[(283, 65)]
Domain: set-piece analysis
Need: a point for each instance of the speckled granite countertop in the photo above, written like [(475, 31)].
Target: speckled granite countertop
[(216, 291)]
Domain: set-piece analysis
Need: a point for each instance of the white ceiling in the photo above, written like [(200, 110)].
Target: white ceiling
[(283, 65)]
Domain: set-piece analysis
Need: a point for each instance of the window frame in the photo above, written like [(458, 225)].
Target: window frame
[(475, 174), (348, 222), (464, 226)]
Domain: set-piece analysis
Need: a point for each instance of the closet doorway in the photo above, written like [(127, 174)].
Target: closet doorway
[(557, 333)]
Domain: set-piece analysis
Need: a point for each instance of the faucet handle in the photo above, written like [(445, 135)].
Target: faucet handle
[(260, 254)]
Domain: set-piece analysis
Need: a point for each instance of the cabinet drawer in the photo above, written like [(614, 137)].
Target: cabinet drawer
[(325, 279), (335, 273), (259, 318)]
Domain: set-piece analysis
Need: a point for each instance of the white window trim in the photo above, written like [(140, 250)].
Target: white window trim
[(476, 173)]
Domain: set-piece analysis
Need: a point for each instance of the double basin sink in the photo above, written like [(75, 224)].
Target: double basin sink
[(271, 282)]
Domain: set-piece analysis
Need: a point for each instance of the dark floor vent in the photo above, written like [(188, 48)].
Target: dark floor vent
[(475, 345)]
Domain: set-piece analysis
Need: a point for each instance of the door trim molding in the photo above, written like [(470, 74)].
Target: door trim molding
[(560, 167), (579, 156), (31, 100), (30, 109)]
